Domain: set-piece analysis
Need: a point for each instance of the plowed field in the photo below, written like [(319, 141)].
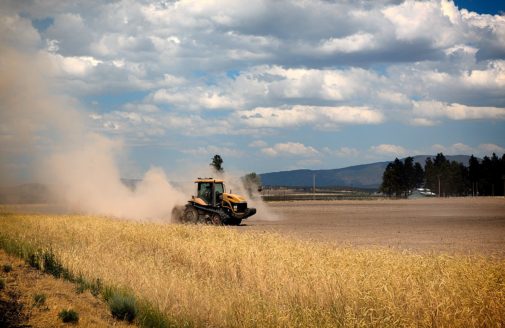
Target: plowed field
[(453, 225)]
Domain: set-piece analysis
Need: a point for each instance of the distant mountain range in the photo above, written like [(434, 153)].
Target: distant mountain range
[(366, 176), (28, 193)]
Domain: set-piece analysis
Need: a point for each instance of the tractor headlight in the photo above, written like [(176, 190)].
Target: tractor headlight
[(234, 207)]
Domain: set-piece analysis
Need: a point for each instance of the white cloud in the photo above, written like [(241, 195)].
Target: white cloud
[(347, 152), (434, 109), (393, 97), (462, 112), (491, 148), (198, 98), (410, 22), (174, 70), (493, 75), (301, 115), (463, 149), (388, 149), (76, 66), (421, 121), (352, 43), (290, 148), (258, 144)]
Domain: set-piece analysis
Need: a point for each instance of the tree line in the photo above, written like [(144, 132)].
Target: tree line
[(484, 177)]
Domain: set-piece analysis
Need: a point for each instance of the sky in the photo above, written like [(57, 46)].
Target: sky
[(271, 85)]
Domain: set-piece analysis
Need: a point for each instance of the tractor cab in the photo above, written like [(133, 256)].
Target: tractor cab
[(209, 192)]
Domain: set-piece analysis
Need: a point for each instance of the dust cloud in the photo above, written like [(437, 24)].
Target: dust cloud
[(44, 137)]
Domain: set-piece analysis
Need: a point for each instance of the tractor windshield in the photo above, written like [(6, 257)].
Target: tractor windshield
[(219, 188), (205, 191)]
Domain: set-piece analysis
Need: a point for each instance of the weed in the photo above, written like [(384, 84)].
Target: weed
[(81, 284), (122, 304), (51, 264), (39, 299), (95, 287), (33, 261), (154, 318), (2, 284), (80, 288), (46, 261), (69, 316), (7, 268)]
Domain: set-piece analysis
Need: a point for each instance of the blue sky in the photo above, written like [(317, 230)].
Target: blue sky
[(273, 85)]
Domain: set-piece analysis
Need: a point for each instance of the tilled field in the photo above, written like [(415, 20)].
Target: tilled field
[(453, 225)]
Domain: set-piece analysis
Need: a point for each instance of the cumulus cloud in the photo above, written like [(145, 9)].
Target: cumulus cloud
[(290, 148), (160, 71), (422, 121), (258, 144), (388, 149), (491, 148), (347, 152), (460, 148), (434, 109), (301, 115)]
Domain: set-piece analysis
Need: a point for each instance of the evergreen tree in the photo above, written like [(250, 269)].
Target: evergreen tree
[(409, 174), (418, 175), (446, 178), (430, 176), (474, 174), (394, 179), (217, 164)]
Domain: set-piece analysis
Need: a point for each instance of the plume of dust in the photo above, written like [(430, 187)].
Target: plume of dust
[(263, 211), (81, 167)]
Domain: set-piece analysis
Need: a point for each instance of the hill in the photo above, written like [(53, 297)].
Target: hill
[(28, 193), (367, 176)]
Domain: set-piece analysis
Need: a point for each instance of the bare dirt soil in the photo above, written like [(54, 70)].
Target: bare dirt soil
[(450, 225), (19, 309)]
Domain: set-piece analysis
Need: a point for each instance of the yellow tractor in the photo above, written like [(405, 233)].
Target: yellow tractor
[(212, 205)]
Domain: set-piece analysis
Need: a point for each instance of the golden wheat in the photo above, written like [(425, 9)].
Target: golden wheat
[(215, 276)]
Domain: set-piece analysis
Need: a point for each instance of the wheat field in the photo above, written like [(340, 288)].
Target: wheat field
[(208, 276)]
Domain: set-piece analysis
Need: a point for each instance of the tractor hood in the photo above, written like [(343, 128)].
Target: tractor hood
[(233, 198)]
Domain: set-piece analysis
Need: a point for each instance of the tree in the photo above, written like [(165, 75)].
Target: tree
[(217, 164), (409, 173), (388, 181), (447, 178), (474, 174), (419, 175), (394, 180), (437, 174)]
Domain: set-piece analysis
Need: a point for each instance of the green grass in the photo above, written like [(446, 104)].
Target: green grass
[(39, 299), (122, 304), (7, 268), (69, 316)]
